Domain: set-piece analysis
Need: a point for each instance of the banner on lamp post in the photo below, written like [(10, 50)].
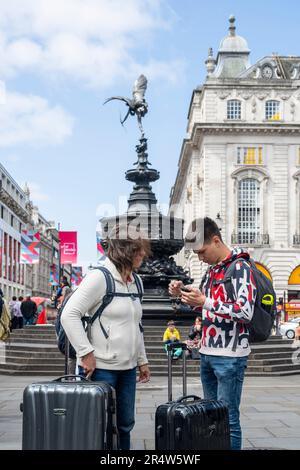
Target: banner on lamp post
[(30, 247), (76, 275), (68, 247), (54, 278), (100, 251)]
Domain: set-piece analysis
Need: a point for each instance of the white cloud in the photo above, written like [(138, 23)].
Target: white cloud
[(93, 41), (29, 119), (36, 193)]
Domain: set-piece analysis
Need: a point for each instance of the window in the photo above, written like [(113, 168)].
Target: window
[(249, 156), (272, 110), (233, 109), (248, 211)]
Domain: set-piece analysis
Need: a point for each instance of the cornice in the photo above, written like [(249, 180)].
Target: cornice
[(12, 204)]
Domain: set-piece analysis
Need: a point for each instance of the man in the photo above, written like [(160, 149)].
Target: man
[(224, 344), (172, 335), (29, 311), (13, 306)]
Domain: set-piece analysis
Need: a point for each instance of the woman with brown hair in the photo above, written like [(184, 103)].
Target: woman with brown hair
[(114, 356)]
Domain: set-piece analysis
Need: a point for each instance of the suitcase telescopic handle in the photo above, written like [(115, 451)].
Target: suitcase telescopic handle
[(69, 376), (188, 398), (176, 345), (170, 347)]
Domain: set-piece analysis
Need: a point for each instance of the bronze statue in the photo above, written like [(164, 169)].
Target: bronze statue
[(137, 105)]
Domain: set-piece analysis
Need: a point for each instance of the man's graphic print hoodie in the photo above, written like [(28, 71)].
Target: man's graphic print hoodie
[(225, 331)]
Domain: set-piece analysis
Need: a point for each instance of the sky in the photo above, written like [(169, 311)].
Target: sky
[(60, 60)]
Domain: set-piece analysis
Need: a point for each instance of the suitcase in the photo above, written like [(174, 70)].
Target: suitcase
[(67, 414), (190, 423)]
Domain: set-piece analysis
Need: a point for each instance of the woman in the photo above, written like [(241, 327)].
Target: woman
[(112, 357), (193, 343)]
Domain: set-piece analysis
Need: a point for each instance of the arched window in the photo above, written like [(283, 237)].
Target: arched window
[(248, 211), (273, 110), (233, 109)]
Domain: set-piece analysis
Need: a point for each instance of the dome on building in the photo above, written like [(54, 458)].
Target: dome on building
[(232, 42), (233, 55)]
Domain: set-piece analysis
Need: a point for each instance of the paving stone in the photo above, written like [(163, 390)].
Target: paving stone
[(289, 443), (259, 423), (285, 432), (137, 444), (270, 410), (150, 444), (256, 433)]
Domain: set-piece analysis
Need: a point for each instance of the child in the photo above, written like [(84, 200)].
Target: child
[(172, 335)]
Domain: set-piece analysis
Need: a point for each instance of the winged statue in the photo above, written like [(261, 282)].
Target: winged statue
[(137, 104)]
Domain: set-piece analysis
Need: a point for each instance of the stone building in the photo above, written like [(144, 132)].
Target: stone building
[(240, 161)]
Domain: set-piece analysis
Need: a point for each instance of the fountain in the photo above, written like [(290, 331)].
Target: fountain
[(164, 232)]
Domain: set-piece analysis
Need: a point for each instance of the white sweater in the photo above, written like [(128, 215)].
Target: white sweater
[(124, 348)]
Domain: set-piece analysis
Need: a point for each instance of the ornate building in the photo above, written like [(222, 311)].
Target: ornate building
[(240, 161), (13, 218), (18, 213)]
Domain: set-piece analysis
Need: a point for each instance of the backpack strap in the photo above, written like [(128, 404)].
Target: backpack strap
[(107, 298), (140, 289)]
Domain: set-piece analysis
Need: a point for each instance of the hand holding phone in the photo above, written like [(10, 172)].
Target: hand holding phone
[(185, 289)]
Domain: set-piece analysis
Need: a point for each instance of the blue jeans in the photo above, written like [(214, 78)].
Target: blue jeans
[(222, 379), (124, 382)]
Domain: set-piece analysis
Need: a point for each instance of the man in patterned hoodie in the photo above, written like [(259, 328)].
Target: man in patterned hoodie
[(224, 345)]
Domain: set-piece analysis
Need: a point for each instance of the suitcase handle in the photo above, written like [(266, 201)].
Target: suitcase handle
[(171, 346), (61, 379), (187, 398), (176, 345)]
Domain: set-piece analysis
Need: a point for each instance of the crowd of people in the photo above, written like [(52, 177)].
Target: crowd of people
[(22, 311)]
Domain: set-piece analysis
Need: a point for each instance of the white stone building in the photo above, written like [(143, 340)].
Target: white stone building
[(13, 218), (240, 160), (17, 213)]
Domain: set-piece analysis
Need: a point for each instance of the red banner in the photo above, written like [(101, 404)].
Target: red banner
[(68, 247)]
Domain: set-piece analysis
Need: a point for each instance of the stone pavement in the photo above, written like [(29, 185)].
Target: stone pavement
[(270, 410)]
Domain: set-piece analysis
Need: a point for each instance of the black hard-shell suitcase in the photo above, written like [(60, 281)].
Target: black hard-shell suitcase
[(67, 414), (190, 423)]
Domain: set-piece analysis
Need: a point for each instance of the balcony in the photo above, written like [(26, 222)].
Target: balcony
[(250, 239), (296, 239)]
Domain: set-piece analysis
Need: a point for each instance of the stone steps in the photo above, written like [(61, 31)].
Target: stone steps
[(33, 351)]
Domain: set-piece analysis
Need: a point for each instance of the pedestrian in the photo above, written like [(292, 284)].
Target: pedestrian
[(29, 311), (172, 335), (117, 345), (297, 332), (225, 336), (193, 343), (15, 313), (12, 306), (61, 292), (19, 315)]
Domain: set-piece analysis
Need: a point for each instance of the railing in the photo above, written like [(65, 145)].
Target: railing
[(250, 239), (296, 239)]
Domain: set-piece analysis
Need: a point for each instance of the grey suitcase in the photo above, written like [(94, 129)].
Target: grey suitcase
[(67, 414)]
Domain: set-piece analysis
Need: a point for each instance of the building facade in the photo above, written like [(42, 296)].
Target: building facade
[(240, 161), (17, 213), (13, 219)]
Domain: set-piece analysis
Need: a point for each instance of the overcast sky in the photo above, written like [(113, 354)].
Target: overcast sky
[(59, 61)]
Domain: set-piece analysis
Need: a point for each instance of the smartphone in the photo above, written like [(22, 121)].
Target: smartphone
[(185, 289)]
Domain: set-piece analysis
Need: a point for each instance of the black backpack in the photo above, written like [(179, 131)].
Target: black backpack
[(89, 320), (261, 324)]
